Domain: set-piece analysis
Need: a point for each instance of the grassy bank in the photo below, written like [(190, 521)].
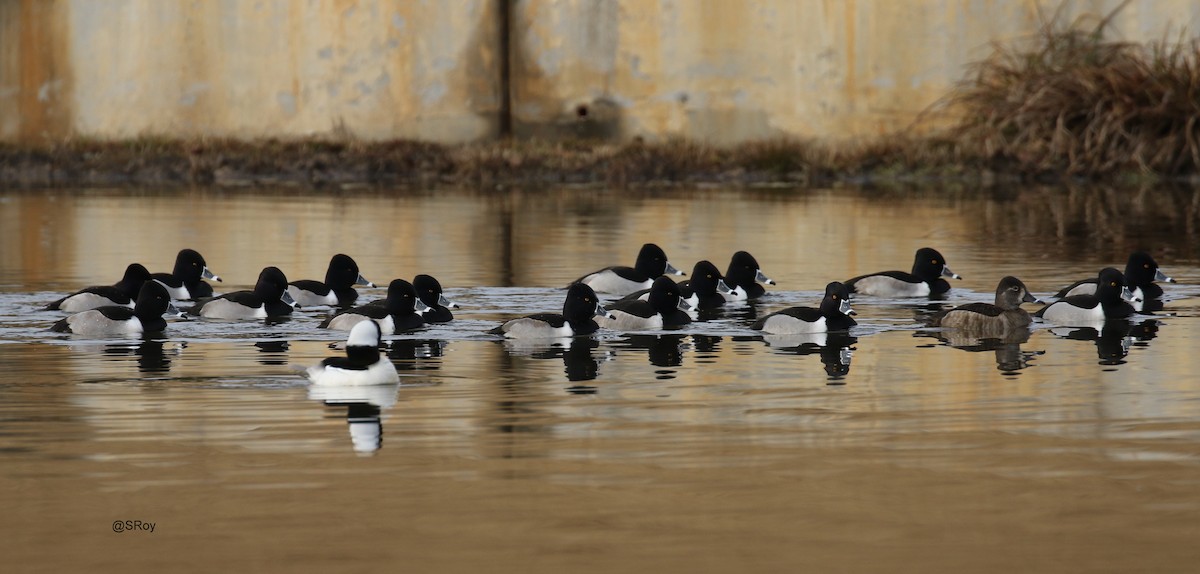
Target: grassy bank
[(332, 163), (1067, 105)]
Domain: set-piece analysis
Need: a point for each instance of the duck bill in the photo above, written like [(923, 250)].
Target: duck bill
[(206, 274), (946, 272), (1029, 298), (1162, 277), (421, 307), (174, 311), (287, 298), (1127, 295), (845, 308), (363, 281), (758, 276), (444, 302), (671, 270), (682, 304), (724, 289), (602, 312)]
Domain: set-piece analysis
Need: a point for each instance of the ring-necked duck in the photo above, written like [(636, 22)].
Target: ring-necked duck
[(122, 293), (833, 315), (429, 290), (708, 287), (1109, 302), (268, 299), (663, 308), (926, 278), (401, 311), (362, 365), (184, 283), (579, 307), (744, 275), (988, 320), (144, 317), (1141, 272), (338, 288), (651, 263)]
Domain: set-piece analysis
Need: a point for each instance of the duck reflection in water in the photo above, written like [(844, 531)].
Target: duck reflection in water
[(663, 350), (1010, 358), (705, 343), (272, 352), (835, 350), (153, 356), (579, 362), (416, 354), (363, 404), (1113, 339)]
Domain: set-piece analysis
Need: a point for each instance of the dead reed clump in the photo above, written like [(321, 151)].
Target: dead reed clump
[(1075, 103), (780, 158), (675, 161)]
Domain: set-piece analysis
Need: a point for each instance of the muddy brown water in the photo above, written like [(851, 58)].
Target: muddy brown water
[(707, 449)]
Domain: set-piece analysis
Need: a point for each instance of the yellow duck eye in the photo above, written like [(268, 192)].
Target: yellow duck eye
[(1113, 284)]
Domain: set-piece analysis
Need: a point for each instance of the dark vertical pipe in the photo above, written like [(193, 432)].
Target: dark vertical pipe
[(506, 56)]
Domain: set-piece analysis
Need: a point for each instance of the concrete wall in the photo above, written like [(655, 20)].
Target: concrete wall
[(373, 68), (715, 70)]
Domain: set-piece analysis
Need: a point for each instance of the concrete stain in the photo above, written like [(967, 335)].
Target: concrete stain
[(44, 97)]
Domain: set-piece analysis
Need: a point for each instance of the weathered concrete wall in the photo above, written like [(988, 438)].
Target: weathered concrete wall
[(727, 71), (715, 70), (370, 68)]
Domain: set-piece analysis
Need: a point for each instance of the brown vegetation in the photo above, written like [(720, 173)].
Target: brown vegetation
[(332, 163), (1074, 103)]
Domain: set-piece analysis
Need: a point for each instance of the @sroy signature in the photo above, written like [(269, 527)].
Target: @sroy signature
[(128, 525)]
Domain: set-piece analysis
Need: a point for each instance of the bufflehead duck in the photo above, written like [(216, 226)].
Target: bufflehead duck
[(362, 365)]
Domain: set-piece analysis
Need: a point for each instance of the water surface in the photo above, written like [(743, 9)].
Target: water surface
[(711, 448)]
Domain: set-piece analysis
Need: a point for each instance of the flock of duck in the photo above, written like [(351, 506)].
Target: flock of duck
[(648, 300)]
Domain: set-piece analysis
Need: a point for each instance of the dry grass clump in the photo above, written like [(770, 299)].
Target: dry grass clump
[(225, 161), (1073, 102), (672, 161)]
